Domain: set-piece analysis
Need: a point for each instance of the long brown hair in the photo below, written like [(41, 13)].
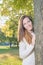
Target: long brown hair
[(22, 32)]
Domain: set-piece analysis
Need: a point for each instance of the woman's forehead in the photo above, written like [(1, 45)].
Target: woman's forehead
[(26, 19)]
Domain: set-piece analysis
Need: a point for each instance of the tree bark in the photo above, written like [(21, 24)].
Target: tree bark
[(38, 27)]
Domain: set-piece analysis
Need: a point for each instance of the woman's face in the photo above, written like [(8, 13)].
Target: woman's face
[(27, 24)]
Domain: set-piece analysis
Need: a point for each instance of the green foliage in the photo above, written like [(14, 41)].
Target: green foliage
[(2, 37), (14, 9), (9, 7)]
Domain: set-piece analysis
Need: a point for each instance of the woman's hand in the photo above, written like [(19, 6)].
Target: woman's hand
[(33, 38)]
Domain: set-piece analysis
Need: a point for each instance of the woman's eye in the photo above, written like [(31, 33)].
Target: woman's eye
[(24, 23), (28, 21)]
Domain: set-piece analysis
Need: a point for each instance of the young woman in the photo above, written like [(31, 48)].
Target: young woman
[(26, 38)]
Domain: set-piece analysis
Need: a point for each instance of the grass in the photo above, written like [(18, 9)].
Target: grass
[(9, 56)]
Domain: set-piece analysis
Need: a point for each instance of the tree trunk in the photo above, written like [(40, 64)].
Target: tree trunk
[(10, 44), (38, 27)]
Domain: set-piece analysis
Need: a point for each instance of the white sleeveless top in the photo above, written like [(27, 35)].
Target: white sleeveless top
[(25, 49)]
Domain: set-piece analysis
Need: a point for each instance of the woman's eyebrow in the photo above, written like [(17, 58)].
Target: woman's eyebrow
[(26, 22)]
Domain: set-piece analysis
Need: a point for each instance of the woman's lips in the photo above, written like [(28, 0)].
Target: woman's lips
[(30, 25)]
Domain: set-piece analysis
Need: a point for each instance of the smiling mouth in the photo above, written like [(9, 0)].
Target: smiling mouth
[(30, 25)]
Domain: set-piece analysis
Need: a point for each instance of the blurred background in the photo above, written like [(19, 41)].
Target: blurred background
[(10, 12)]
